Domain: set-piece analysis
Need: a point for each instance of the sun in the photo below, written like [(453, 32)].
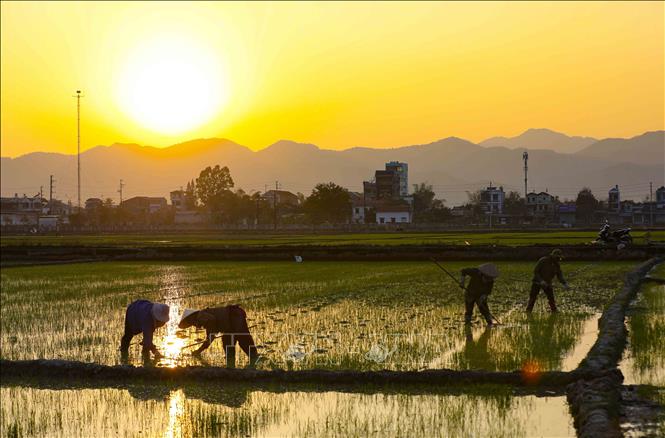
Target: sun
[(172, 85)]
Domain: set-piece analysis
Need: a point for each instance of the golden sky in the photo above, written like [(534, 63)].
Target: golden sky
[(334, 74)]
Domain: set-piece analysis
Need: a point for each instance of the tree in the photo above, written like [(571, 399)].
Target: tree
[(211, 184), (585, 206), (190, 196), (514, 204), (475, 206), (426, 208), (328, 202)]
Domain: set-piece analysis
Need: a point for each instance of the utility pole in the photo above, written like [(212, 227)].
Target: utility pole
[(122, 184), (78, 144), (651, 203), (50, 195), (274, 204)]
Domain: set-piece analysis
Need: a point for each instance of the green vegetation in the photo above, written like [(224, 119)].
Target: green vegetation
[(377, 239), (237, 411), (644, 361), (369, 315)]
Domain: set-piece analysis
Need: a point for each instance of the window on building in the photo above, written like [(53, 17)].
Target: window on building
[(403, 219), (382, 220), (393, 220)]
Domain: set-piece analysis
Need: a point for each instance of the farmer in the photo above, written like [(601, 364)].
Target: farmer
[(231, 321), (546, 269), (144, 317), (480, 286)]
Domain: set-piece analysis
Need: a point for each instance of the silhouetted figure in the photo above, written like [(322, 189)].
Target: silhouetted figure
[(479, 289), (546, 269), (143, 316), (231, 321)]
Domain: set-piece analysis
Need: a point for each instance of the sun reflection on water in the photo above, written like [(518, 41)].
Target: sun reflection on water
[(176, 414), (171, 281)]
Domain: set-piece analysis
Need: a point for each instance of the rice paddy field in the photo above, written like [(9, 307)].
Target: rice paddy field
[(329, 315), (241, 239)]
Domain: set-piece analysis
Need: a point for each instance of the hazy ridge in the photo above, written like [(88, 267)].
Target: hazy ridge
[(452, 165)]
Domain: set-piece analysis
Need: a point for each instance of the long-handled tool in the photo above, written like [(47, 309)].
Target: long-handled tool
[(462, 287)]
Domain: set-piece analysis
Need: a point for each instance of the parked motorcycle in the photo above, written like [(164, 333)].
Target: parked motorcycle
[(618, 237)]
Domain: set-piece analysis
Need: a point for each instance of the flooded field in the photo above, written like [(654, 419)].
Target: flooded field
[(345, 315), (644, 358), (234, 411)]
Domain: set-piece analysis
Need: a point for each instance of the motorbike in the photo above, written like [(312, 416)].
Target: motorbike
[(621, 236)]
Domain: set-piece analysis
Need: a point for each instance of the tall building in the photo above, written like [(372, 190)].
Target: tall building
[(614, 199), (402, 172), (492, 199), (387, 184)]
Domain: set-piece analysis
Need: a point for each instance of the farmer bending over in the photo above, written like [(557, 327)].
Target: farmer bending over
[(231, 321), (144, 317), (546, 269), (480, 286)]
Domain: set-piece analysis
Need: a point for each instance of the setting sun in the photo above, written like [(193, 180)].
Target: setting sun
[(171, 85)]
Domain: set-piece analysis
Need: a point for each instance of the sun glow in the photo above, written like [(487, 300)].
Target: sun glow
[(172, 85)]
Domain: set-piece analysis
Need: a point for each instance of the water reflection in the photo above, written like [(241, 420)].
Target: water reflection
[(171, 345), (198, 410), (644, 359)]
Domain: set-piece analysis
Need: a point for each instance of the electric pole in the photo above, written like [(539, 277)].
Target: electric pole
[(78, 145), (274, 204), (122, 184), (50, 195)]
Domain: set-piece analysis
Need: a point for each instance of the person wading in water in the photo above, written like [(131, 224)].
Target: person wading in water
[(478, 290), (145, 317), (231, 321), (546, 269)]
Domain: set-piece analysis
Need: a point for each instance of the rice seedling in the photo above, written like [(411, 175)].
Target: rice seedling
[(357, 315)]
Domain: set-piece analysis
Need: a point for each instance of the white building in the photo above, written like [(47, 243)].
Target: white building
[(21, 211), (492, 199), (541, 204), (393, 214)]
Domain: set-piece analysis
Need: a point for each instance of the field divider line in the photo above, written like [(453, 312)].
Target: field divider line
[(595, 401)]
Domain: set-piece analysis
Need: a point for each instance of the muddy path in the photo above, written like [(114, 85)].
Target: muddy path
[(45, 254)]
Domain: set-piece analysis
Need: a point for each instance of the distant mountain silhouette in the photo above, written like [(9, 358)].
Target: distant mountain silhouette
[(452, 165), (541, 139), (647, 148)]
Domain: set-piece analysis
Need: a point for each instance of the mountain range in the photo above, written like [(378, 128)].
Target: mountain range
[(557, 163)]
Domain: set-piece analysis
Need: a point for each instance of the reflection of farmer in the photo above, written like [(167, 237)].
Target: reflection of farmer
[(233, 396), (231, 321), (480, 286), (144, 317), (475, 353), (546, 269)]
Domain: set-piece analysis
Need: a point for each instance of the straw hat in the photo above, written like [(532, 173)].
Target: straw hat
[(489, 269), (184, 321), (160, 312)]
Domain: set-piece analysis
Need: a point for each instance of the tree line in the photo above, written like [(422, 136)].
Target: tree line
[(213, 194)]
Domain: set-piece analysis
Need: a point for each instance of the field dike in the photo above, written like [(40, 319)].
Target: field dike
[(596, 403), (594, 389), (45, 254)]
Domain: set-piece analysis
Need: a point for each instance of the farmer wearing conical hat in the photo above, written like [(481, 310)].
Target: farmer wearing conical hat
[(231, 321), (478, 290), (144, 316), (546, 269)]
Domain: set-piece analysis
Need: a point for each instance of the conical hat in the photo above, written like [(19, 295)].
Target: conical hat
[(489, 269), (184, 322)]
